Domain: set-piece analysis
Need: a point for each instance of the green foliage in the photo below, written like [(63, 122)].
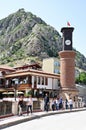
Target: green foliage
[(77, 80), (82, 78), (11, 65), (29, 93)]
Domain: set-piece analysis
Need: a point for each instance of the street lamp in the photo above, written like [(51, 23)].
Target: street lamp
[(15, 104), (15, 83)]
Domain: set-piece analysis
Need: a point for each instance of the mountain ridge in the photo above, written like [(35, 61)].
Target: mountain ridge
[(25, 37)]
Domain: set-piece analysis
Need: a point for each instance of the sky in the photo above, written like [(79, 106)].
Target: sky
[(55, 13)]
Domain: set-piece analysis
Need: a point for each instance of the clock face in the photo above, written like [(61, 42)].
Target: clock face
[(67, 42)]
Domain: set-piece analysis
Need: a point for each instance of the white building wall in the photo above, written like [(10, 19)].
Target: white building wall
[(52, 84), (32, 81), (42, 86), (1, 74), (49, 83), (49, 86), (55, 84)]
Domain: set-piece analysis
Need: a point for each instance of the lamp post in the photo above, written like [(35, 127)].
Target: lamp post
[(15, 104)]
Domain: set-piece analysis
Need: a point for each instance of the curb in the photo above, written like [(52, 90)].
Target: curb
[(32, 117)]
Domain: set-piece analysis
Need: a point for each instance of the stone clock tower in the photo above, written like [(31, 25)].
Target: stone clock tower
[(67, 65)]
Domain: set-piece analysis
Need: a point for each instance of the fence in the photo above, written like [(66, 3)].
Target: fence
[(9, 107), (5, 108)]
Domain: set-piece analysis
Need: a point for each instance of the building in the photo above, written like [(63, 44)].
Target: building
[(28, 78), (51, 65), (82, 91)]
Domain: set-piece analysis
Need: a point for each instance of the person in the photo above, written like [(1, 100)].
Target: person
[(60, 103), (20, 105), (46, 102), (70, 103), (66, 104), (57, 103), (29, 104), (53, 104)]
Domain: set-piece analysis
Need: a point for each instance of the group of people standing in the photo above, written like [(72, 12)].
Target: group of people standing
[(57, 103), (29, 103)]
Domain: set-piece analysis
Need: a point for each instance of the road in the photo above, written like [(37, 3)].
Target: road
[(66, 121)]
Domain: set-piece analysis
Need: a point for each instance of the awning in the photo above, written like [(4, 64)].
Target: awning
[(2, 90), (20, 92), (5, 93), (10, 93)]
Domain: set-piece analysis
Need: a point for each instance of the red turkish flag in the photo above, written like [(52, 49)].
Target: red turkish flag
[(68, 24)]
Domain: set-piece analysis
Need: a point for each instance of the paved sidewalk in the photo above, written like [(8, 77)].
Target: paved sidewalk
[(13, 120)]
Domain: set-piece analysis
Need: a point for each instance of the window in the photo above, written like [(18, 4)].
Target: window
[(42, 80), (1, 81), (56, 63), (29, 79), (46, 81), (56, 71), (35, 80), (38, 80)]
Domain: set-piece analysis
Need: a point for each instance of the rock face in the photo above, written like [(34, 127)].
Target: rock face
[(23, 34)]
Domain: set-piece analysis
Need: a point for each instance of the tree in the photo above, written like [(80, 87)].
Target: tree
[(82, 78)]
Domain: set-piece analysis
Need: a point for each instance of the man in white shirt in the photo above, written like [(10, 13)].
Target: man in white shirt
[(70, 103)]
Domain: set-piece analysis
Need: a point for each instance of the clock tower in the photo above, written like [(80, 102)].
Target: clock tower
[(67, 37), (67, 65)]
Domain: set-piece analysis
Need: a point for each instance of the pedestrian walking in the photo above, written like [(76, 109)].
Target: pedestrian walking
[(46, 102), (20, 105), (29, 103)]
